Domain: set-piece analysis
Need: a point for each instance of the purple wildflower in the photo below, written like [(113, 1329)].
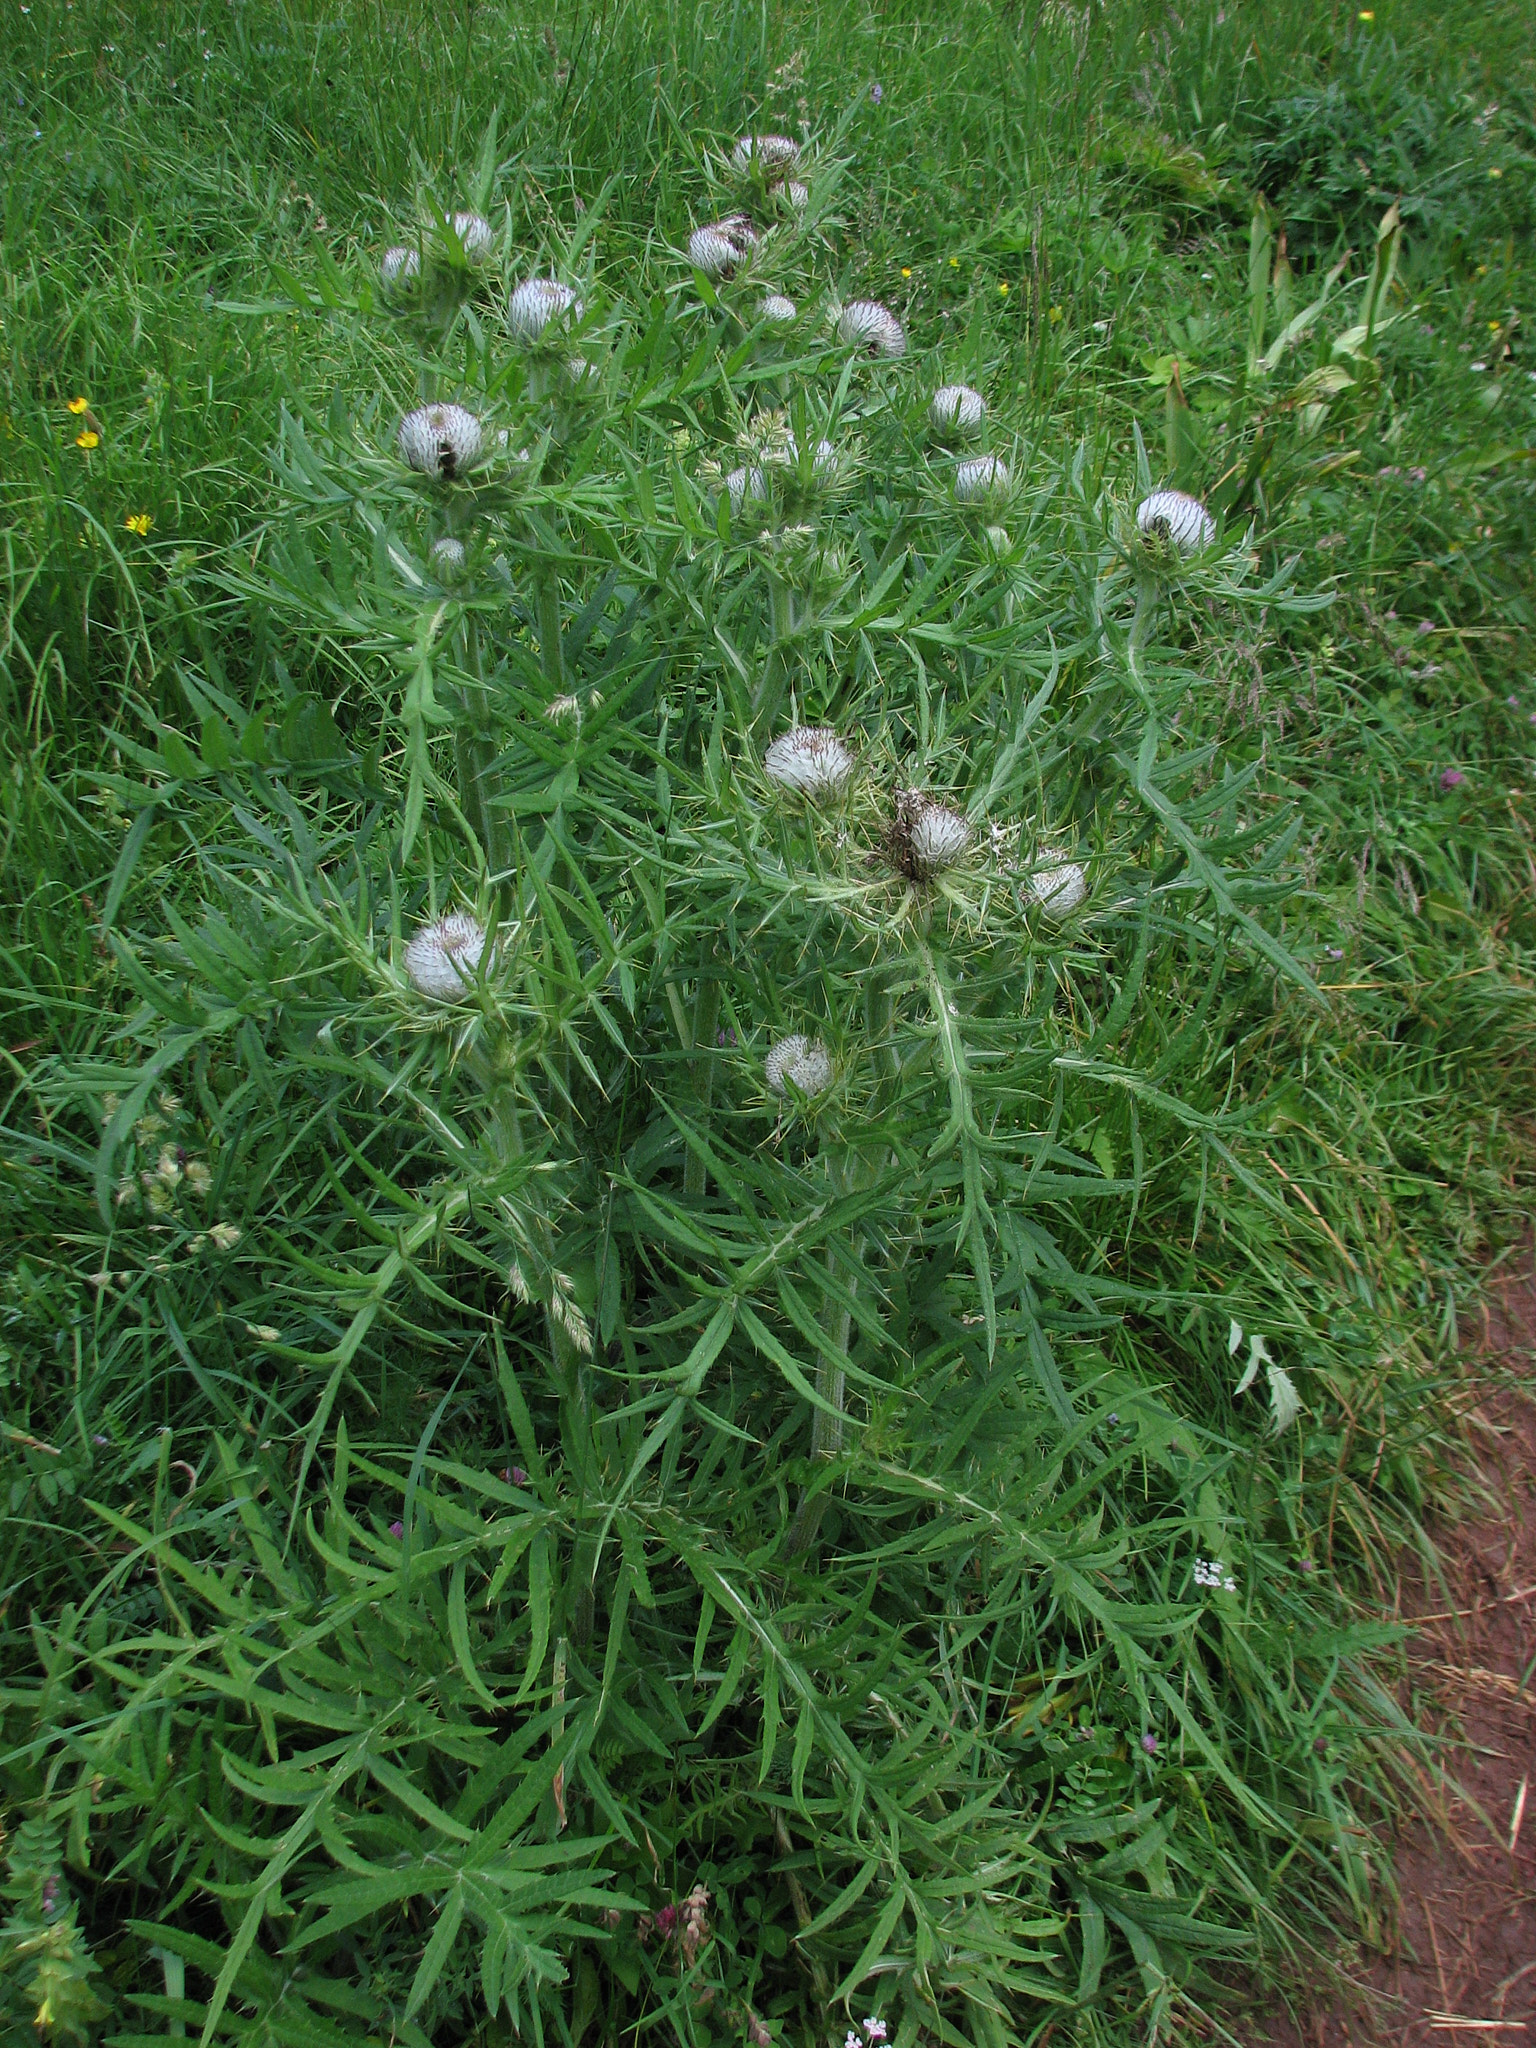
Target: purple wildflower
[(1452, 779), (397, 1530), (877, 92), (1335, 952), (1305, 1565), (1149, 1743), (515, 1476), (875, 2028)]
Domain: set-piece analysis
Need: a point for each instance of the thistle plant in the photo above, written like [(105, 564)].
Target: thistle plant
[(649, 947)]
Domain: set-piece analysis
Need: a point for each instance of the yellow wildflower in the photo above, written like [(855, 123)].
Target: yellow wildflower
[(78, 406), (1367, 14), (906, 273), (1055, 314), (1003, 289), (139, 523), (1494, 171), (954, 262), (87, 440)]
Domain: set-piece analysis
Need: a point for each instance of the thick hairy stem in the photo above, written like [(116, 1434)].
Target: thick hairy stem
[(706, 1026), (781, 628), (551, 656)]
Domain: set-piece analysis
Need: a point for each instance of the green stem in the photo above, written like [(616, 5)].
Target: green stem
[(781, 629), (551, 657), (827, 1431), (706, 1025)]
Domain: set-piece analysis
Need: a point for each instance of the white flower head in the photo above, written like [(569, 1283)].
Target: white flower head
[(777, 309), (783, 452), (538, 301), (447, 559), (1175, 517), (742, 486), (810, 759), (399, 268), (442, 958), (723, 246), (793, 194), (803, 1061), (440, 440), (926, 837), (766, 153), (1060, 888), (957, 407), (865, 324), (472, 231), (983, 477)]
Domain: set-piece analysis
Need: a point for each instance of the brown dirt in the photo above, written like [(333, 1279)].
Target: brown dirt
[(1461, 1965)]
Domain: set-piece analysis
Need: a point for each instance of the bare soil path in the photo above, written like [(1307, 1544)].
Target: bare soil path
[(1462, 1966)]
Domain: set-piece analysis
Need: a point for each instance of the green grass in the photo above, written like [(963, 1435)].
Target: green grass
[(371, 1659)]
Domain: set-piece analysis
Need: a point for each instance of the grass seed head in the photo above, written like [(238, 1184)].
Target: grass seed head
[(441, 440)]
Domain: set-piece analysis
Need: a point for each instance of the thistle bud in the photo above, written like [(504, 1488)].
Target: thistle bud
[(810, 759), (792, 194), (1175, 518), (1058, 890), (536, 303), (999, 541), (442, 958), (473, 234), (447, 559), (925, 837), (871, 327), (778, 309), (440, 440), (743, 485), (399, 268), (723, 246), (957, 408), (767, 153), (985, 476), (803, 1062)]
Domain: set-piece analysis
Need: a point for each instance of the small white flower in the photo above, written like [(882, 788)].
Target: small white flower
[(984, 476), (722, 246), (442, 958), (1477, 367), (1175, 516), (777, 309), (865, 324), (957, 405), (765, 153), (1058, 890), (399, 267), (440, 440), (810, 759), (535, 303), (926, 837), (447, 559), (801, 1060), (742, 485), (473, 231)]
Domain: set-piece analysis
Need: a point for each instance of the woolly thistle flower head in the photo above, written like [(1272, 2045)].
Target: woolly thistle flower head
[(864, 324), (782, 451), (447, 559), (442, 958), (957, 408), (804, 1062), (793, 194), (1059, 889), (534, 304), (766, 153), (1176, 519), (440, 440), (810, 759), (743, 487), (399, 268), (925, 837), (983, 477), (472, 232), (723, 246), (777, 309)]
